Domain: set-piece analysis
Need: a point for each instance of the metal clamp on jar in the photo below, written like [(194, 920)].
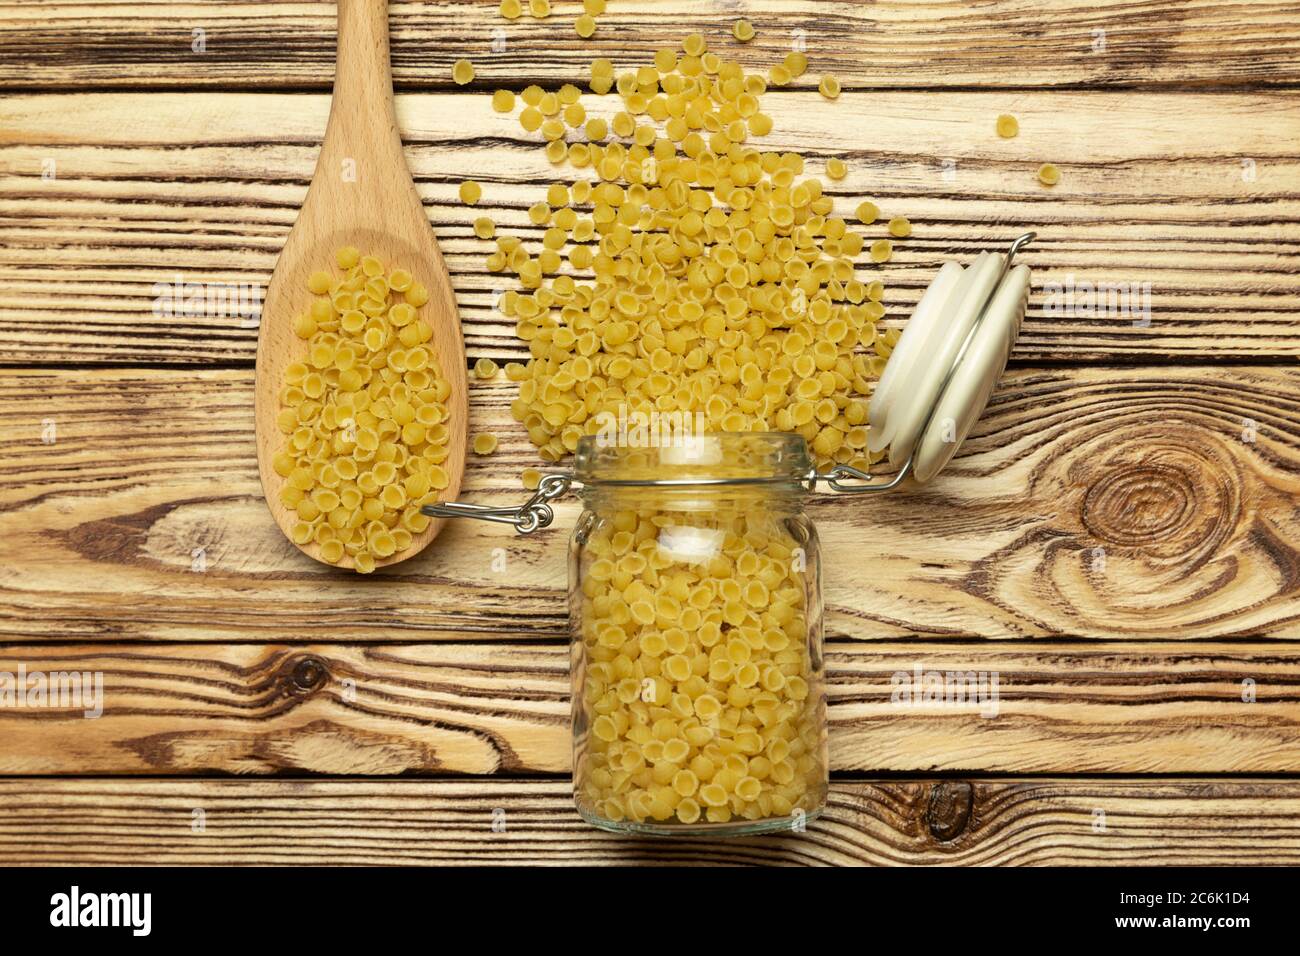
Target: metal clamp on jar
[(699, 700)]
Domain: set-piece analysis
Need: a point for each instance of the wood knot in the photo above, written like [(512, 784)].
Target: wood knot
[(307, 674), (949, 809), (1139, 504)]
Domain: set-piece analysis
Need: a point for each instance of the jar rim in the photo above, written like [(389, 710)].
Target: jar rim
[(714, 458)]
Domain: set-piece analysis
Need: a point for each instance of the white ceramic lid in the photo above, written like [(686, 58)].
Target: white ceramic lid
[(950, 356)]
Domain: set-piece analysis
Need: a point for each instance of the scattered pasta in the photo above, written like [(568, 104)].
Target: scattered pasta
[(1049, 174), (363, 415), (684, 269), (1007, 126), (485, 443)]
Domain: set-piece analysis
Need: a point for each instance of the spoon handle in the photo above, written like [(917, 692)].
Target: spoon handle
[(361, 110)]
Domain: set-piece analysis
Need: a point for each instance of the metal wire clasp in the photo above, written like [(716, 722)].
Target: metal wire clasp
[(533, 514), (536, 513), (835, 479)]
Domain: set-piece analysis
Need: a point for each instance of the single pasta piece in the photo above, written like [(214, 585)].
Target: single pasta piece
[(485, 443), (836, 168), (743, 30), (470, 192), (881, 250), (511, 9), (899, 227), (868, 212), (531, 119), (484, 227), (1007, 126), (594, 7), (503, 101), (1049, 174), (462, 71), (531, 478), (585, 25), (539, 8), (485, 368), (829, 87)]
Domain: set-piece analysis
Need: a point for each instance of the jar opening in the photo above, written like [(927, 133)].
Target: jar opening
[(694, 459)]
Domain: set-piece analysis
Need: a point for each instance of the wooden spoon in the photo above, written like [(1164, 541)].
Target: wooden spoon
[(361, 195)]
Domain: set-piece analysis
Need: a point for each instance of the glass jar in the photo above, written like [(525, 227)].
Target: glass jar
[(699, 699)]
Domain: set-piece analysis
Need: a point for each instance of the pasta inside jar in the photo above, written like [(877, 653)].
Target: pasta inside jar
[(699, 698)]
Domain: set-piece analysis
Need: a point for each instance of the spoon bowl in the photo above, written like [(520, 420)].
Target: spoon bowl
[(362, 195)]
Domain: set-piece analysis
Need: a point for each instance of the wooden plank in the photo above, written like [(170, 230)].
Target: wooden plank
[(151, 189), (1140, 502), (500, 708), (889, 44), (457, 823)]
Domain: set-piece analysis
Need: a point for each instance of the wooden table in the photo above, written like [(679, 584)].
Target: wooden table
[(1119, 540)]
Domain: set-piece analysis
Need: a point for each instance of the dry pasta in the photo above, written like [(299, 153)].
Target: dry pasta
[(685, 269), (462, 71), (363, 415), (470, 192), (698, 691)]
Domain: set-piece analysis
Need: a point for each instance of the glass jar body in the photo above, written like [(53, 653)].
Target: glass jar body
[(699, 699)]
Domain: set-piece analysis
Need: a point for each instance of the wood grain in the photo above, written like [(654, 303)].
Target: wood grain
[(1139, 502), (202, 188), (361, 195), (502, 708), (514, 822), (1010, 43)]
